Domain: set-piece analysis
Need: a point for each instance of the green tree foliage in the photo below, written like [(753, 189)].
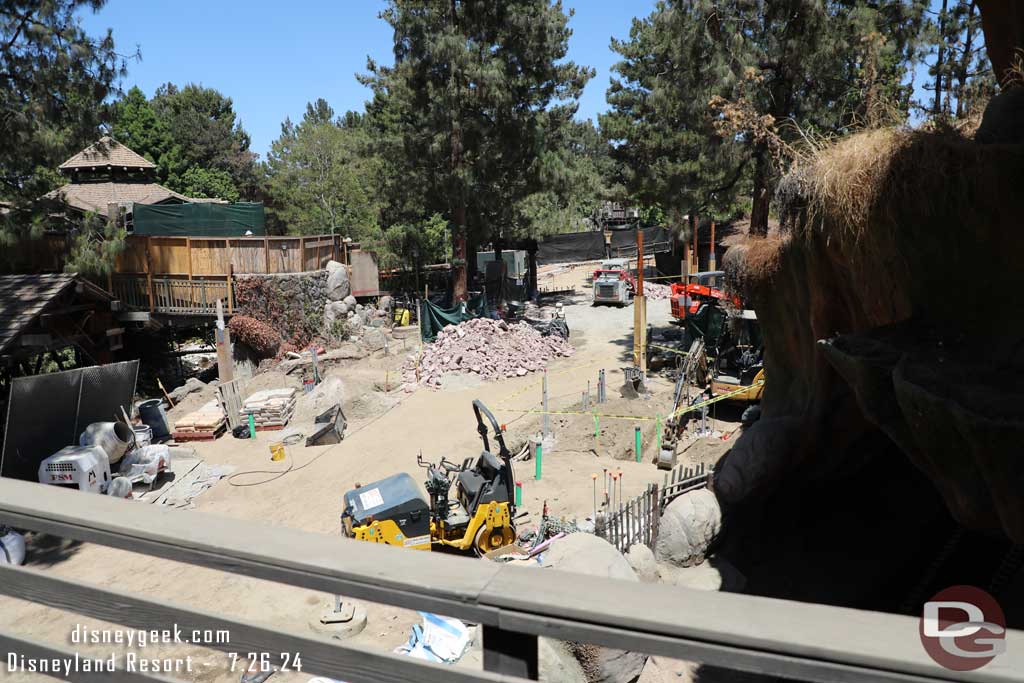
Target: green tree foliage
[(960, 73), (95, 243), (193, 136), (777, 70), (470, 115), (662, 131), (323, 177), (208, 183), (577, 182), (53, 80), (417, 244)]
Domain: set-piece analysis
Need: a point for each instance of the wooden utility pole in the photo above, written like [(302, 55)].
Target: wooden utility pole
[(712, 257), (225, 365), (640, 308)]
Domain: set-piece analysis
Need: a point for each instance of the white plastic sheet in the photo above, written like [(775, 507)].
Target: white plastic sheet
[(439, 639)]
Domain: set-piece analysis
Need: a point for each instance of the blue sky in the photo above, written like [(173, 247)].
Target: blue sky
[(273, 57)]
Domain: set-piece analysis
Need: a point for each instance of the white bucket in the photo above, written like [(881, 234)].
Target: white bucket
[(112, 437), (143, 435)]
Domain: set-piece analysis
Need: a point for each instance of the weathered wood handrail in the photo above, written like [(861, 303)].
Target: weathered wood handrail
[(788, 639)]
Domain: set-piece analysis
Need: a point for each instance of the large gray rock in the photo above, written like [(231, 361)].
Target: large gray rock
[(686, 530), (588, 554), (386, 302), (641, 559), (333, 265), (191, 385), (351, 301), (338, 286), (374, 338), (334, 310)]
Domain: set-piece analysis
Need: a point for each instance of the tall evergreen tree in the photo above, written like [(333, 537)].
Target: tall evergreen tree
[(323, 177), (661, 129), (53, 80), (960, 74), (193, 136), (478, 93), (776, 69)]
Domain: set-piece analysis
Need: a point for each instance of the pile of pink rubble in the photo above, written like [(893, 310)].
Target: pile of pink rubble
[(492, 349)]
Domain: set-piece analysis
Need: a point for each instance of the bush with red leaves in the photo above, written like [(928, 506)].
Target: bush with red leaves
[(259, 336)]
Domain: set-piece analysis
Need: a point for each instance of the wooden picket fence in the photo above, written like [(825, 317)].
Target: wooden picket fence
[(636, 520)]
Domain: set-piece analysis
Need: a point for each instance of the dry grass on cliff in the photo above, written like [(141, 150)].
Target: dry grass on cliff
[(873, 180)]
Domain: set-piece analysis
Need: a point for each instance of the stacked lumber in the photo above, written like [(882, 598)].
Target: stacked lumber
[(271, 407), (208, 418)]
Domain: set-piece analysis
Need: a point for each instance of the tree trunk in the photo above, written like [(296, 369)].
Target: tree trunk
[(964, 68), (762, 197), (459, 285), (940, 60)]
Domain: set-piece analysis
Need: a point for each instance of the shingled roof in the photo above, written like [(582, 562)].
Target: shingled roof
[(95, 196), (24, 297), (107, 152)]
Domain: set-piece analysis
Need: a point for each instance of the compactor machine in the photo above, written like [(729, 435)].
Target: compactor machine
[(480, 517)]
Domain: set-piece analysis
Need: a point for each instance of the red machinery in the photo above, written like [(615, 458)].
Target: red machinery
[(686, 298)]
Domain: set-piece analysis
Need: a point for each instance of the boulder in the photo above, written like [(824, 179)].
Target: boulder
[(334, 265), (350, 300), (641, 559), (374, 339), (334, 310), (191, 385), (689, 525), (338, 286), (588, 554), (385, 303)]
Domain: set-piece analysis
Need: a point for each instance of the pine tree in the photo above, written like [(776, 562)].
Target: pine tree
[(470, 110), (54, 78), (961, 77)]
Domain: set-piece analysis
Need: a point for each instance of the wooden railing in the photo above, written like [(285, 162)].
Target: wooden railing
[(514, 605), (172, 295)]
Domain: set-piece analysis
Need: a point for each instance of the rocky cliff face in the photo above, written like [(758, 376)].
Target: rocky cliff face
[(894, 325)]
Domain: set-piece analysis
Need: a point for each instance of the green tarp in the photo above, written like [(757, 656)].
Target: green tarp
[(434, 318), (198, 220)]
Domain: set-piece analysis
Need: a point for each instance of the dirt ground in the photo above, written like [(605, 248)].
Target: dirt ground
[(387, 429)]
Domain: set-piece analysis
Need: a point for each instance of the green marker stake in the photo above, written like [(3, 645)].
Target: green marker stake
[(637, 444), (537, 458), (252, 426), (657, 427), (597, 425), (519, 494)]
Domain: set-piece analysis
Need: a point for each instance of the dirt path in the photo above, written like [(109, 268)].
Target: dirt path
[(436, 423)]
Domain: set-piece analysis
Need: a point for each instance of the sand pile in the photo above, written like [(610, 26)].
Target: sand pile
[(490, 348)]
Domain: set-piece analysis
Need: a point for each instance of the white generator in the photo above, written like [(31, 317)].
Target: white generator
[(85, 468)]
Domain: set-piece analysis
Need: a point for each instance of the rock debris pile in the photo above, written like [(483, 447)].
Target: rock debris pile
[(492, 349), (654, 291)]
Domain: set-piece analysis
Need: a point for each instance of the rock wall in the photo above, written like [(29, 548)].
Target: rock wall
[(291, 303)]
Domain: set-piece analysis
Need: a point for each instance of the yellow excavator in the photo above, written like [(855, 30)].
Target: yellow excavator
[(480, 518)]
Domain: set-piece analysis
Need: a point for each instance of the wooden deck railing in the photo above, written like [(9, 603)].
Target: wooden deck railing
[(514, 605)]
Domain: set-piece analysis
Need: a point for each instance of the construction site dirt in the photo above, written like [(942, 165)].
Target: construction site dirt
[(387, 428)]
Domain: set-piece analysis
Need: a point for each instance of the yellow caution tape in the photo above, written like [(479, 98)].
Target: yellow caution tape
[(540, 380), (669, 349), (681, 411), (716, 399)]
